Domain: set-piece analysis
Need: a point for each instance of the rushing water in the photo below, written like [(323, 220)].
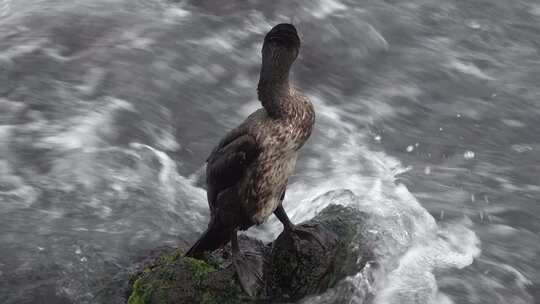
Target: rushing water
[(426, 111)]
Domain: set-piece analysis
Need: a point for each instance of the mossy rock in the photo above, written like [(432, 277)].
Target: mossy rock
[(176, 279), (296, 265), (316, 258)]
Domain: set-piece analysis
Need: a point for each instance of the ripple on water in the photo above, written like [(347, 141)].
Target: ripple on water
[(115, 198), (15, 193), (469, 68), (5, 8)]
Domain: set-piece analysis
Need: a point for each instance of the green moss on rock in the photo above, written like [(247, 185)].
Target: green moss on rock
[(141, 294), (173, 278), (199, 269), (298, 265)]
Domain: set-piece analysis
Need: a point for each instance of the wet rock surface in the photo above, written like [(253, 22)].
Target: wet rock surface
[(315, 256)]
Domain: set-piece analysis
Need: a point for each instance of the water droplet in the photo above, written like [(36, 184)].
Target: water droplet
[(378, 138), (468, 154)]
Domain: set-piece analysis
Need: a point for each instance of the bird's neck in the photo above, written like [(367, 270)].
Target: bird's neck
[(273, 89)]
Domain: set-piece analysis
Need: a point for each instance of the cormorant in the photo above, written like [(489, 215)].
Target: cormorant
[(247, 172)]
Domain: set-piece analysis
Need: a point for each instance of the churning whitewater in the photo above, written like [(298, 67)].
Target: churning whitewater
[(108, 110)]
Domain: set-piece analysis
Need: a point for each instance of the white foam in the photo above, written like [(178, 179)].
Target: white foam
[(377, 37), (180, 192), (474, 24), (163, 134), (513, 123), (468, 154), (221, 42), (4, 7), (327, 7), (22, 49), (227, 39), (202, 73), (522, 148), (257, 23), (14, 192), (132, 39), (9, 109), (535, 9), (91, 79), (469, 68), (167, 166), (82, 131), (5, 131), (176, 13), (409, 247), (413, 280)]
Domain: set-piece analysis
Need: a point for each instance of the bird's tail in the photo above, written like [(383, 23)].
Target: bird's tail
[(216, 236)]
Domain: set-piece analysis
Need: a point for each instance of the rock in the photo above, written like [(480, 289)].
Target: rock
[(173, 278), (319, 254), (311, 266)]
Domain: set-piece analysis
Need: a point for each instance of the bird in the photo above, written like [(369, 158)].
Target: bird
[(247, 172)]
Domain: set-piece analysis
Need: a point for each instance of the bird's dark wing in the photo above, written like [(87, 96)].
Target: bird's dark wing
[(225, 167), (227, 164)]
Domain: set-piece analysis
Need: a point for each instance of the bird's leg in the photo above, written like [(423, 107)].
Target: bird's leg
[(289, 227), (234, 243), (249, 268), (284, 218), (282, 215)]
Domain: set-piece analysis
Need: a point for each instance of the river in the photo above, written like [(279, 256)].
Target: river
[(426, 111)]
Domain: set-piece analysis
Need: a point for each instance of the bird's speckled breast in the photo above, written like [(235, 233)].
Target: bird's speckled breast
[(266, 185), (280, 140)]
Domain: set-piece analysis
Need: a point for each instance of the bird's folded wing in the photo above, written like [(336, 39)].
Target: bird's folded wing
[(228, 163)]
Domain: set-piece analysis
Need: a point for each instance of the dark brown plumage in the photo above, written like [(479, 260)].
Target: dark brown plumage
[(248, 170)]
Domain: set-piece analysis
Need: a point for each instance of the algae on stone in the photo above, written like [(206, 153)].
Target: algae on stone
[(173, 278), (295, 266)]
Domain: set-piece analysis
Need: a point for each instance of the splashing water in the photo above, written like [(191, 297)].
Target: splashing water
[(108, 109)]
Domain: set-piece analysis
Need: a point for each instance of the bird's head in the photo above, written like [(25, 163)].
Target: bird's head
[(281, 45)]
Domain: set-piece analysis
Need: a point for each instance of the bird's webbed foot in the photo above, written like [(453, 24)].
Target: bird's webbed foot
[(249, 268)]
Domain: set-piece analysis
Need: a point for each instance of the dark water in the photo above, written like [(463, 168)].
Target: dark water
[(427, 112)]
